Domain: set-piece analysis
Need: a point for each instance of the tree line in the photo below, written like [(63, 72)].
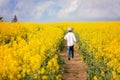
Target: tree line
[(13, 20)]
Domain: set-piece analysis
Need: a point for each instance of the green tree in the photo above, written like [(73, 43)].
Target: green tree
[(15, 19), (1, 19)]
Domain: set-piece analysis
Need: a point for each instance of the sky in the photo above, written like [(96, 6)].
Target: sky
[(60, 10)]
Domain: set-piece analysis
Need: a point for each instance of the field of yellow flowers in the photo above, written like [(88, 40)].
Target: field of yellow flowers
[(100, 46), (30, 51)]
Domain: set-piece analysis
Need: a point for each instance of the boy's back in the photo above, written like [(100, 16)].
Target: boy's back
[(70, 37)]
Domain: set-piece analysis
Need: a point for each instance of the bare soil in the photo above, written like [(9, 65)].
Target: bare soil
[(74, 69)]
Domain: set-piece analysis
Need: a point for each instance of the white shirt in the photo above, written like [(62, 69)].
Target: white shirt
[(70, 37)]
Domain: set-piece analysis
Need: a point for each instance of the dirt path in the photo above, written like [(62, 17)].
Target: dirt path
[(74, 69)]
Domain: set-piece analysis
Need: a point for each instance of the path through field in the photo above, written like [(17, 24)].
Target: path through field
[(74, 69)]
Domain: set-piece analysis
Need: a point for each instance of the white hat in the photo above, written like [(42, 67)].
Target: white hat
[(70, 29)]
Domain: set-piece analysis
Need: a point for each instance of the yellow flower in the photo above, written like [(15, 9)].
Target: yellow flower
[(102, 73), (19, 76), (42, 71), (114, 74), (59, 77), (95, 78), (35, 76), (44, 77)]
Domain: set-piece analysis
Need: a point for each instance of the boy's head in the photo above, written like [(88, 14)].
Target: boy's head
[(70, 29)]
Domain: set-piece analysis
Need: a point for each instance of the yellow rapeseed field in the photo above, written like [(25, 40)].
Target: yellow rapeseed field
[(100, 47), (31, 50)]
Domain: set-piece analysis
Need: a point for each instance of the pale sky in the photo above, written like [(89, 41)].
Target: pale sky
[(60, 10)]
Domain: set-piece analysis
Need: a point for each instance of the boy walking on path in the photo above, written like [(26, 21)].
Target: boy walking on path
[(71, 40)]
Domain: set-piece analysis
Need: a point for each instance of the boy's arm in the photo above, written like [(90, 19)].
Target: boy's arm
[(74, 38)]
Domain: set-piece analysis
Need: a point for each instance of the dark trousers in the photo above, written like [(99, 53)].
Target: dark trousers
[(71, 51)]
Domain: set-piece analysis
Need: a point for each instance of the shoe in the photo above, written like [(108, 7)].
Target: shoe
[(68, 58)]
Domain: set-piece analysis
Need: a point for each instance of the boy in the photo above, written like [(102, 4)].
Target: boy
[(71, 40)]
